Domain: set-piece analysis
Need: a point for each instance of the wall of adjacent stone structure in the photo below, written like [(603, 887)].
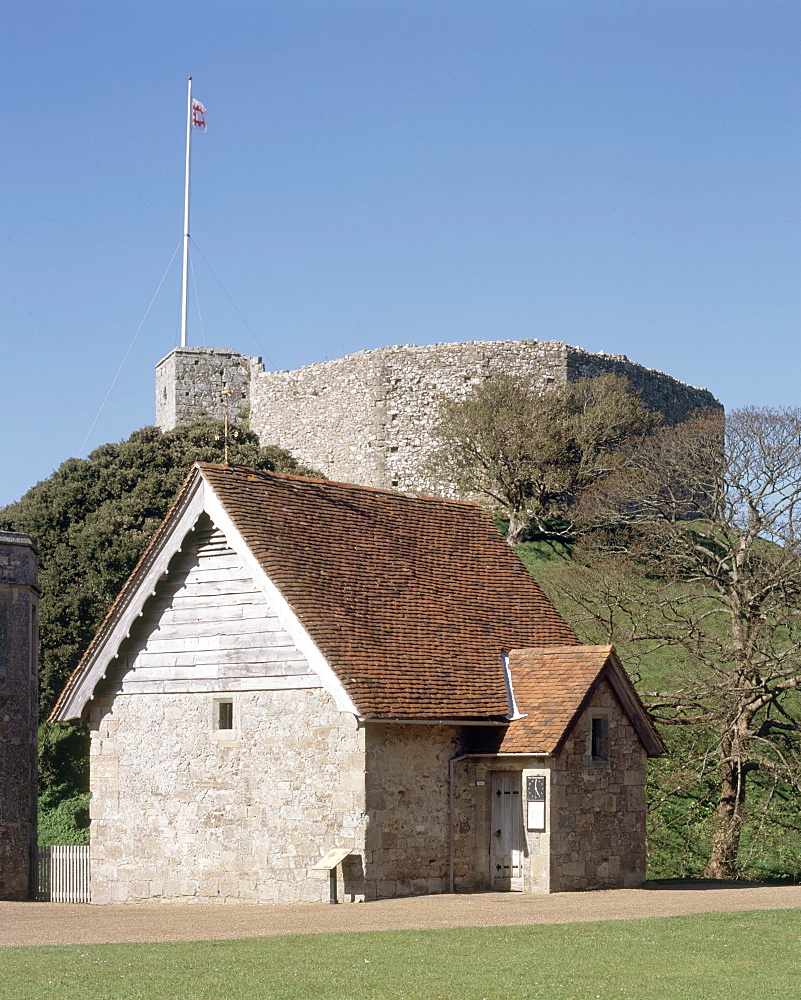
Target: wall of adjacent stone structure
[(597, 808), (407, 844), (19, 641), (367, 418), (335, 412), (183, 813)]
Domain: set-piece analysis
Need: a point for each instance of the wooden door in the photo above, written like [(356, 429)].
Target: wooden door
[(507, 840)]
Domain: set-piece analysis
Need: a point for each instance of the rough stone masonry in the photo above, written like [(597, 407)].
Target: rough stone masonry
[(19, 609), (367, 418)]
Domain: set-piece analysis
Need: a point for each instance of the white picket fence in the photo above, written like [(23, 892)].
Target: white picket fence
[(63, 874)]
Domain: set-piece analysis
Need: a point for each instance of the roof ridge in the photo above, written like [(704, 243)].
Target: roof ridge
[(451, 502), (559, 647)]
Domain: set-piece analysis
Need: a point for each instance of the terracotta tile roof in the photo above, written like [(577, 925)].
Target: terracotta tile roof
[(411, 600), (552, 685)]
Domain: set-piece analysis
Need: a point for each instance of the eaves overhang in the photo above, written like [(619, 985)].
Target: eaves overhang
[(142, 583)]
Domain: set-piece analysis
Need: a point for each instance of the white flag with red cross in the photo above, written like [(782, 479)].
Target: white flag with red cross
[(198, 114)]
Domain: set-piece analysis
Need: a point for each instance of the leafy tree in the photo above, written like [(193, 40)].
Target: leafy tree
[(692, 563), (93, 518), (63, 783), (532, 452)]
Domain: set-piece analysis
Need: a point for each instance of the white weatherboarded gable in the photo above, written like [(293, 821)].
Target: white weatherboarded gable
[(208, 628), (201, 615)]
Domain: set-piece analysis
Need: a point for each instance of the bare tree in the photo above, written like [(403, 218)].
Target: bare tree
[(531, 452), (694, 544)]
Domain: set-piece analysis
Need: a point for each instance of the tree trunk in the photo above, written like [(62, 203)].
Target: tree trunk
[(517, 528), (728, 823)]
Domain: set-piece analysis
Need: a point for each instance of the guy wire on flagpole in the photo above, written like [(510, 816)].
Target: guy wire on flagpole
[(185, 275)]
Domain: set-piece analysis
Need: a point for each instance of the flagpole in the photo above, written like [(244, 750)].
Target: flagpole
[(185, 277)]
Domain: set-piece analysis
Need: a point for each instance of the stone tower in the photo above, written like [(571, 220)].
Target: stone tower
[(19, 648), (190, 381)]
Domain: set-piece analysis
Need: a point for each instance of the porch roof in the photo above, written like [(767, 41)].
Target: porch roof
[(552, 686)]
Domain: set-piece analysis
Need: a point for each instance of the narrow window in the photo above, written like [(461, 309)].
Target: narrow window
[(600, 739), (225, 715)]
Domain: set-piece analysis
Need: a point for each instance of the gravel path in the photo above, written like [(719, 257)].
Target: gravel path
[(70, 923)]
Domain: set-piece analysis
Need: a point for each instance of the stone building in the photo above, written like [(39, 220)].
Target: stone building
[(19, 650), (367, 418), (297, 666)]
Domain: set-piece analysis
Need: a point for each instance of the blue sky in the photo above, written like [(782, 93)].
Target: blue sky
[(623, 176)]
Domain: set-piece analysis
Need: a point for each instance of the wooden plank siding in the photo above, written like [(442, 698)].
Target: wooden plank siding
[(207, 628)]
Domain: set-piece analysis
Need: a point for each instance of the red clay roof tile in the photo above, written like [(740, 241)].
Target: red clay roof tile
[(552, 684), (411, 600)]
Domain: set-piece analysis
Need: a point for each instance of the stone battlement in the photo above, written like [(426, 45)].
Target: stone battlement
[(367, 418)]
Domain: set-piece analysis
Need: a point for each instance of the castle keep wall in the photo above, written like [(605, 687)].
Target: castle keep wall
[(334, 413), (367, 418), (675, 400)]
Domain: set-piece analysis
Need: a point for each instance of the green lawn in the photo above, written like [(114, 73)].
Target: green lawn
[(728, 956)]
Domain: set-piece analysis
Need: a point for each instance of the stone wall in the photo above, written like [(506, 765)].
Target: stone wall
[(597, 807), (181, 812), (675, 400), (335, 412), (407, 841), (19, 643), (367, 418), (190, 382)]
